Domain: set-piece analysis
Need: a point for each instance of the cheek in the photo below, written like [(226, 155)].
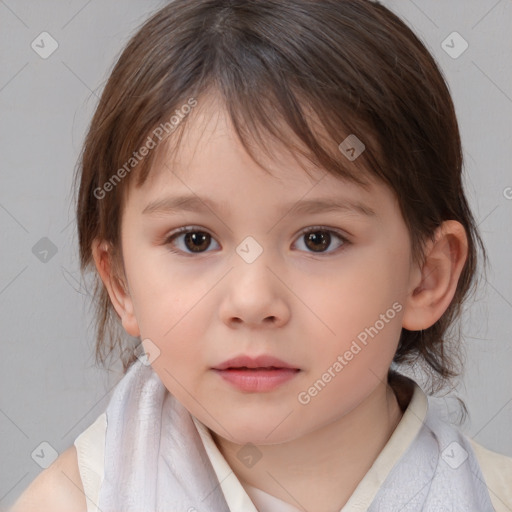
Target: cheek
[(354, 296), (172, 310), (177, 324), (360, 312)]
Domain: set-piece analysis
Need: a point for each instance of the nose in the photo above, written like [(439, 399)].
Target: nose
[(253, 296)]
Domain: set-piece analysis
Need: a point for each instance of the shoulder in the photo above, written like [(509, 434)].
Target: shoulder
[(497, 472), (57, 488)]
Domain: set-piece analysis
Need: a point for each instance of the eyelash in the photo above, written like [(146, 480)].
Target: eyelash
[(194, 229)]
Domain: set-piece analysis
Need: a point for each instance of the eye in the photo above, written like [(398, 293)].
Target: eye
[(194, 240), (318, 238)]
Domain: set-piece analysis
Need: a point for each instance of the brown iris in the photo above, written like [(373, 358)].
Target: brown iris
[(197, 241), (319, 240)]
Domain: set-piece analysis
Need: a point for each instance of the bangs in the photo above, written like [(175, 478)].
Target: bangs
[(308, 96), (265, 125)]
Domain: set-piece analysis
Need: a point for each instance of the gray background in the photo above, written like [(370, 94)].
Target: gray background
[(50, 387)]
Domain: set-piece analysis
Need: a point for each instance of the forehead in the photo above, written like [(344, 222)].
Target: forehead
[(208, 142), (207, 154)]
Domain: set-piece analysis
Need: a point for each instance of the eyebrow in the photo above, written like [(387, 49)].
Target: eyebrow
[(310, 206)]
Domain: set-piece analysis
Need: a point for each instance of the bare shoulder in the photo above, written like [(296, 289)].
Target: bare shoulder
[(57, 489)]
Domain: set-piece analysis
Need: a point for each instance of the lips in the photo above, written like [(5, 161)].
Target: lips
[(256, 374), (263, 362)]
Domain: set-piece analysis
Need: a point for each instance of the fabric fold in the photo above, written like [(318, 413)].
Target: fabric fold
[(155, 460)]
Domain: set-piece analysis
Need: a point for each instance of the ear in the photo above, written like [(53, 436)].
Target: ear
[(117, 290), (434, 285)]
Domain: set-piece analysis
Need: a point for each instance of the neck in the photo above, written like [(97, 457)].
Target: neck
[(319, 471)]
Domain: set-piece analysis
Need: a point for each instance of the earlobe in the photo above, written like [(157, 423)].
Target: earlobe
[(117, 291), (434, 285)]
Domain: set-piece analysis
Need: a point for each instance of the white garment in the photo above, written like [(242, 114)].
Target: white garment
[(91, 443)]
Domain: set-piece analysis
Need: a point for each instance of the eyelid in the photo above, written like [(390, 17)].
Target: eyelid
[(192, 227), (342, 234)]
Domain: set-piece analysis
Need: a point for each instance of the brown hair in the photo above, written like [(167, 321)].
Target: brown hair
[(335, 67)]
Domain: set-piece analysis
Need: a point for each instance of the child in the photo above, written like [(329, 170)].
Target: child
[(271, 193)]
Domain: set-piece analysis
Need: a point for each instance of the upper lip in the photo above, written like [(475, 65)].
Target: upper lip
[(263, 361)]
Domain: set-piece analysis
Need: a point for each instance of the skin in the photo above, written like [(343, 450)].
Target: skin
[(301, 306)]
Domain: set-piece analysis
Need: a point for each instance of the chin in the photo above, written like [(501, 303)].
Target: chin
[(262, 432)]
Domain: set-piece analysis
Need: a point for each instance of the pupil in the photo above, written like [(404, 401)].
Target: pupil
[(319, 242), (198, 239)]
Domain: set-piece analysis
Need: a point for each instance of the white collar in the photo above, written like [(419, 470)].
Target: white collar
[(240, 499)]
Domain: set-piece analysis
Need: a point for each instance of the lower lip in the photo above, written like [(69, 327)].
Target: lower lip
[(257, 380)]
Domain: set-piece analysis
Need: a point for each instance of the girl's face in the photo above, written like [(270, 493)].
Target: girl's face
[(320, 289)]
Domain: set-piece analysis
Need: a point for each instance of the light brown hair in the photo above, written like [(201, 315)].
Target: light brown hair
[(348, 66)]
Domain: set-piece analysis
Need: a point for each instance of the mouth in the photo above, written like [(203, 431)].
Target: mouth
[(257, 380), (259, 368), (258, 374), (260, 363)]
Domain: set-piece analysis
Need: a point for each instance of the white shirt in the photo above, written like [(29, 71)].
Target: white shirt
[(496, 468)]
